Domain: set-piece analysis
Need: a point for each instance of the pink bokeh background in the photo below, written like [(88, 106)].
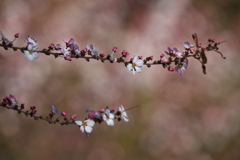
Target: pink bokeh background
[(193, 116)]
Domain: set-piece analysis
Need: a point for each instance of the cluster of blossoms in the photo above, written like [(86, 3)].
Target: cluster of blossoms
[(174, 60), (103, 114)]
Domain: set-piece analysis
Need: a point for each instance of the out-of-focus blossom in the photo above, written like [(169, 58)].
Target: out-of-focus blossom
[(163, 58), (123, 113), (92, 52), (64, 51), (73, 46), (179, 54), (136, 65), (10, 100), (181, 67), (112, 58), (5, 41), (171, 51), (55, 111), (86, 125), (187, 45)]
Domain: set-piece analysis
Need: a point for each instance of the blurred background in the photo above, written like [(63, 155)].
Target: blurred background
[(193, 116)]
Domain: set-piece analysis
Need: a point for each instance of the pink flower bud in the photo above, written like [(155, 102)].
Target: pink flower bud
[(102, 109), (16, 35), (73, 116), (101, 55), (64, 113), (171, 69), (32, 107), (51, 46), (91, 114), (124, 53), (115, 49)]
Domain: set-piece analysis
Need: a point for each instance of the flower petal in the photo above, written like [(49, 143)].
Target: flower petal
[(135, 58), (110, 122), (139, 63), (82, 129), (138, 69), (78, 123), (90, 122), (130, 67), (88, 129)]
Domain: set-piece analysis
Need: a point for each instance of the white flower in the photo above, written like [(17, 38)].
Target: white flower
[(86, 125), (109, 119), (136, 65), (31, 53), (123, 114), (32, 47), (64, 51)]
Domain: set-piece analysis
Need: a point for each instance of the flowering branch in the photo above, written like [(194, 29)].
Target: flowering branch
[(173, 59), (57, 117)]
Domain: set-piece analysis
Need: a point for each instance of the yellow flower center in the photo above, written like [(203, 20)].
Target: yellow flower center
[(31, 51), (84, 124)]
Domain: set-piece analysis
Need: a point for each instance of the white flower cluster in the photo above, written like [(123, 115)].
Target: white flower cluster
[(106, 115)]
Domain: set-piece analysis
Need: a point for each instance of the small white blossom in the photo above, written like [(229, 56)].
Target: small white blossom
[(64, 51), (86, 125), (136, 65), (123, 113), (109, 119), (31, 52)]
